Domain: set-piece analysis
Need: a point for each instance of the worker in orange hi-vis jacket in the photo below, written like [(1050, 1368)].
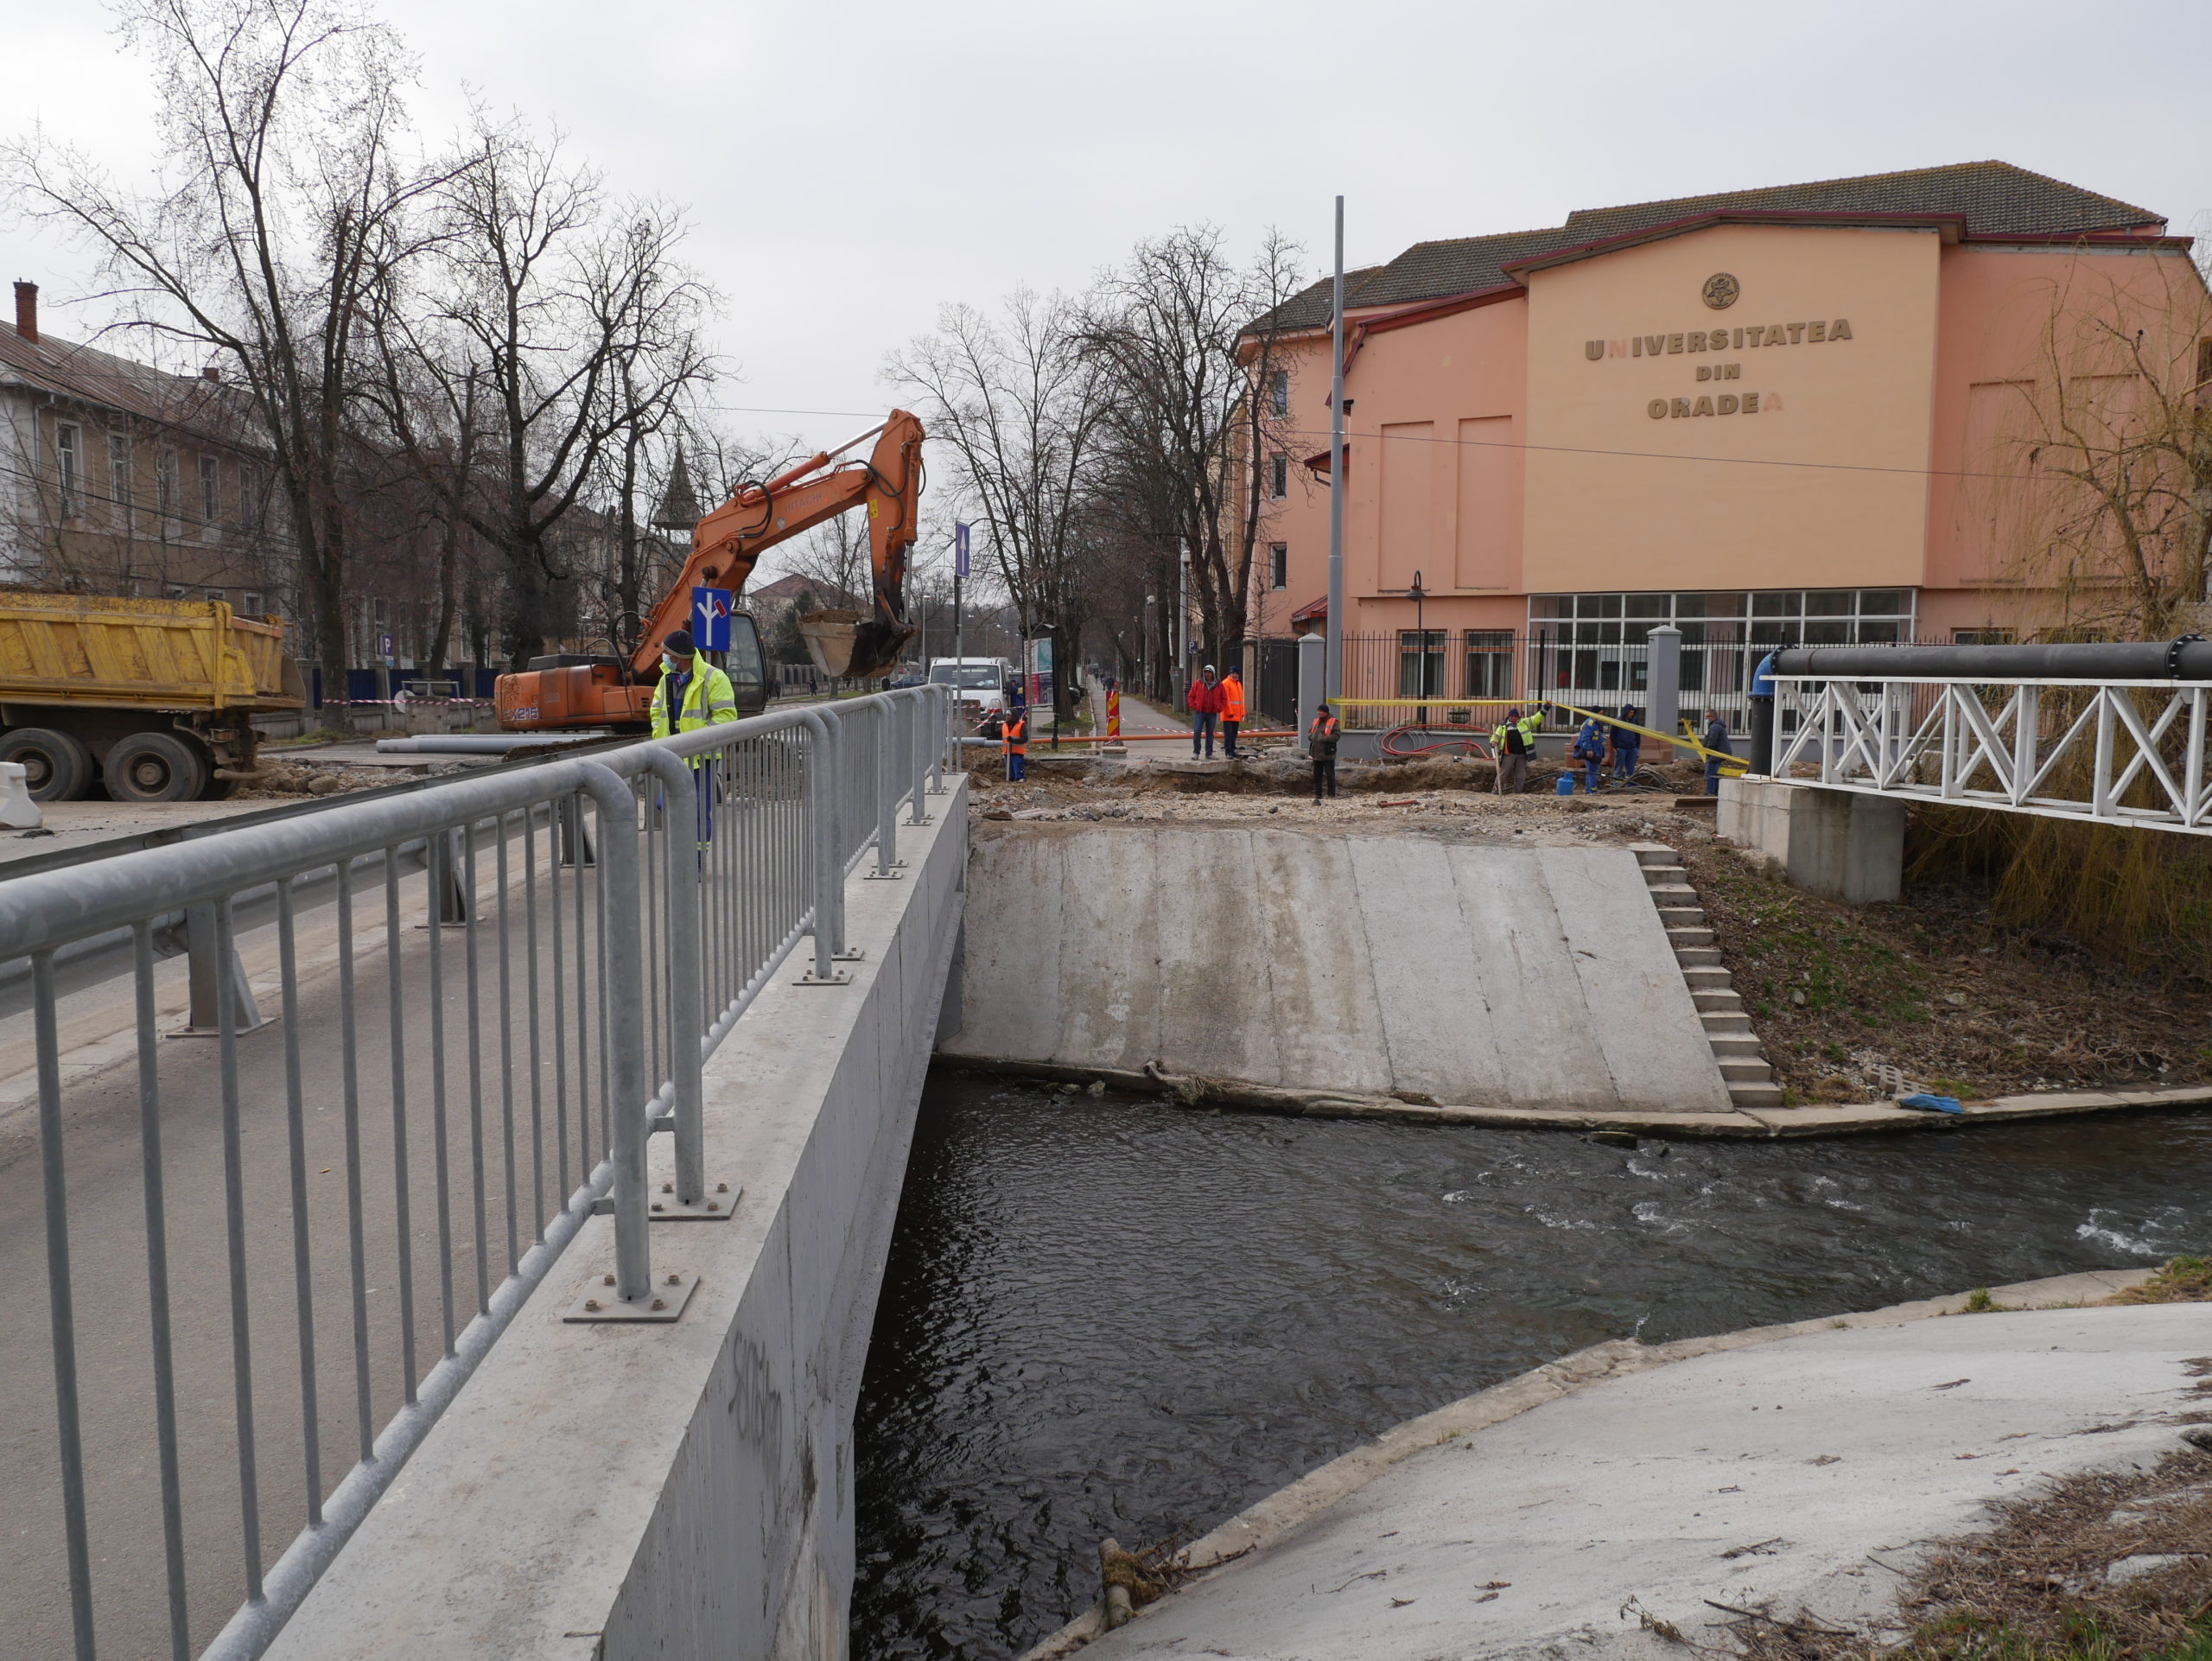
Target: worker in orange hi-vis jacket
[(1232, 710), (1016, 732)]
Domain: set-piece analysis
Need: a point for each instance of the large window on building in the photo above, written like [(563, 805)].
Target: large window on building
[(1420, 663), (1584, 648), (1279, 393), (1278, 476), (165, 484), (1490, 663)]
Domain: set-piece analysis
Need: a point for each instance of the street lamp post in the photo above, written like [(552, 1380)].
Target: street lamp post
[(1418, 595)]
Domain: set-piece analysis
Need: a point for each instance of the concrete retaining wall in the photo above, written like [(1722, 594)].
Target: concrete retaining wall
[(686, 1492), (1481, 976)]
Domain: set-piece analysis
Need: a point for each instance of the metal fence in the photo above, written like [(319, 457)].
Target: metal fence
[(1395, 679), (277, 1239)]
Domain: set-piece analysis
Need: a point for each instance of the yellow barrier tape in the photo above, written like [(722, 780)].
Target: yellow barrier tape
[(1680, 741)]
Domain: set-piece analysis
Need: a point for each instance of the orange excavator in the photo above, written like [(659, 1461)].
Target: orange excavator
[(569, 690)]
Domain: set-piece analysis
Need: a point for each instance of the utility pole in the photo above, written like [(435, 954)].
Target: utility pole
[(959, 570), (1333, 672)]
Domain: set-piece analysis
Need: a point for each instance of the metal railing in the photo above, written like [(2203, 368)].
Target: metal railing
[(278, 1248), (2120, 752)]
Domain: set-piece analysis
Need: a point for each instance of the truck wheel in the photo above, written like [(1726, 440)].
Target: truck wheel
[(154, 767), (56, 767)]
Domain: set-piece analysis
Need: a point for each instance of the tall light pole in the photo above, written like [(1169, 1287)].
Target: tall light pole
[(1418, 595), (1333, 667)]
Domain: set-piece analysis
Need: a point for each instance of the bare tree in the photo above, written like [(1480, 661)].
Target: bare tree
[(283, 190), (572, 318), (1197, 409), (2095, 484), (1017, 405)]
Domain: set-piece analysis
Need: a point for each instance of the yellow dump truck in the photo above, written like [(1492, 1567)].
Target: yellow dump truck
[(153, 699)]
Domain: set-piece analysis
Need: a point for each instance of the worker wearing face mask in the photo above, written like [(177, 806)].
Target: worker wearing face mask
[(697, 695)]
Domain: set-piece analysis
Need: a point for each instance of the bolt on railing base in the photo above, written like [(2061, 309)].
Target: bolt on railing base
[(718, 1205), (662, 1302)]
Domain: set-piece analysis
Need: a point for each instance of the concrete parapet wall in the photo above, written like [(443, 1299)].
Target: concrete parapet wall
[(1478, 976), (1842, 843), (686, 1491)]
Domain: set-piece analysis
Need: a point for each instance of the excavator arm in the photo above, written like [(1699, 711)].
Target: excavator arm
[(561, 692), (729, 542)]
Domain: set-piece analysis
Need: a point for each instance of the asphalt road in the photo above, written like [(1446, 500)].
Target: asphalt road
[(484, 1161)]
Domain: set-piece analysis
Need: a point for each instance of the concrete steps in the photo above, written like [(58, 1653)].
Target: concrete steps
[(1736, 1049)]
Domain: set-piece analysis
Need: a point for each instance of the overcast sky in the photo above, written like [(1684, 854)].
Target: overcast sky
[(848, 168)]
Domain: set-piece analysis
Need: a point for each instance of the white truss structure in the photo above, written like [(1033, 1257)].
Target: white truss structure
[(2017, 747)]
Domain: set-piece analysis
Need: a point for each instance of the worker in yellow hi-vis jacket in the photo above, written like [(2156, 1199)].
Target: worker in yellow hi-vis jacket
[(700, 695)]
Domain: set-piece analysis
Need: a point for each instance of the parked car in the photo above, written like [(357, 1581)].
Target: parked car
[(979, 684)]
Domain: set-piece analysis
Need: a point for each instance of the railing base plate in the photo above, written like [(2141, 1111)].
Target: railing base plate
[(719, 1205), (217, 1032), (664, 1303), (835, 977)]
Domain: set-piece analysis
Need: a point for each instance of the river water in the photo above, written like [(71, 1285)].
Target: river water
[(1120, 1318)]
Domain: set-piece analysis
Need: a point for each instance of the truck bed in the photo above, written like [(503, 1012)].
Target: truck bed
[(153, 654)]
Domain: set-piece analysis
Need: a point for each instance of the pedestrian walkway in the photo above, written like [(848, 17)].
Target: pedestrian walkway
[(1139, 716), (1625, 1491)]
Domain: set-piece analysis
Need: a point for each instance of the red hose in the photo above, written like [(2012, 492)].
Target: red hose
[(1392, 744)]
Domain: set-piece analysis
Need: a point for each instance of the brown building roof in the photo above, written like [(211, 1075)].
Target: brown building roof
[(1994, 198), (85, 374)]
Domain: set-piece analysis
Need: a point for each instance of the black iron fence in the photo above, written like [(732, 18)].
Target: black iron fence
[(1472, 677)]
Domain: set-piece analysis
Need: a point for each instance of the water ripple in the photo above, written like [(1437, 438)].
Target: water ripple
[(1117, 1318)]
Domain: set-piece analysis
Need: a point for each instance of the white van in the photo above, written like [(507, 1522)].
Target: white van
[(979, 682)]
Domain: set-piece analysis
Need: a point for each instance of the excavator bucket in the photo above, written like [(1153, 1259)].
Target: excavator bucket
[(845, 643)]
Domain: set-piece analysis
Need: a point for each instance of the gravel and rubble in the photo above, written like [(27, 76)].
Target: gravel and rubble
[(287, 778)]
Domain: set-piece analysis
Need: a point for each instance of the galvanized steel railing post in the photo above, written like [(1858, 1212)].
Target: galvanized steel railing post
[(827, 854), (680, 784), (622, 938), (940, 737), (887, 791), (208, 965), (919, 707)]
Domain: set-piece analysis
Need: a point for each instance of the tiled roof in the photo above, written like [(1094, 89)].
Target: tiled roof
[(1995, 198), (86, 375), (1309, 307)]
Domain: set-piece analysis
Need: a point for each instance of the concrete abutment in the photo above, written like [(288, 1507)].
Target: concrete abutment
[(1842, 843)]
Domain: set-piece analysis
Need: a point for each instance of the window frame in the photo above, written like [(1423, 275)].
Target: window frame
[(1278, 477), (1278, 566), (69, 468), (1279, 393), (119, 460), (211, 495)]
